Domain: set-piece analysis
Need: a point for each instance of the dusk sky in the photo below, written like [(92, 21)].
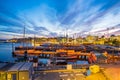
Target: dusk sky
[(55, 17)]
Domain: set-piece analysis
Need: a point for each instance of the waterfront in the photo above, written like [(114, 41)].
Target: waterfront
[(6, 51), (70, 71)]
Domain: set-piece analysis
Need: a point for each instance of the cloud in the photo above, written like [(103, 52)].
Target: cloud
[(9, 18), (110, 19), (79, 17)]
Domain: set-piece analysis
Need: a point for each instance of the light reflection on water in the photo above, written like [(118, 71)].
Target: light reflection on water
[(6, 51)]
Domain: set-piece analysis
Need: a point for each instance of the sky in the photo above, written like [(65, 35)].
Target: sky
[(51, 18)]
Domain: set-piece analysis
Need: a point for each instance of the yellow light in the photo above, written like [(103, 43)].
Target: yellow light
[(94, 69), (95, 73), (9, 76)]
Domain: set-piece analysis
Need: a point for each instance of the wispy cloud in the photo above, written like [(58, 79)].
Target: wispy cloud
[(79, 17)]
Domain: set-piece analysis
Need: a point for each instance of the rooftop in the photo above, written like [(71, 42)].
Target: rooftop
[(26, 66)]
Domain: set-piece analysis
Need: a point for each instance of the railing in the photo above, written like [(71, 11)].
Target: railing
[(60, 67)]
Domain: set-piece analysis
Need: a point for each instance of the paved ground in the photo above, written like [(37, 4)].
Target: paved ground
[(60, 76), (112, 71)]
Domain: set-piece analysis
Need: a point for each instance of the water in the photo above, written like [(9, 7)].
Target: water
[(6, 51)]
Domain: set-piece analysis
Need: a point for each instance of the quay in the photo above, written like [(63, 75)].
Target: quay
[(70, 71), (52, 49), (70, 52), (26, 71), (59, 55)]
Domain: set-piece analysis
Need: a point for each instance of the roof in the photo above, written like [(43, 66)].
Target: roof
[(21, 66), (2, 65), (26, 66), (5, 66), (16, 67)]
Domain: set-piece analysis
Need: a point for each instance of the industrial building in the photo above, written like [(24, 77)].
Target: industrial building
[(16, 71)]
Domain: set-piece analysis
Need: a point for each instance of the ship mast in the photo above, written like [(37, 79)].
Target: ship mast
[(24, 36)]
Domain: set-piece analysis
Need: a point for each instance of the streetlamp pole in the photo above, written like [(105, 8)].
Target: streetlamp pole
[(107, 32)]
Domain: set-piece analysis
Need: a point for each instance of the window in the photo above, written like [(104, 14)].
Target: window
[(14, 77)]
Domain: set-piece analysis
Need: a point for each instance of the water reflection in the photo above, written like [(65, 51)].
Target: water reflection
[(6, 51)]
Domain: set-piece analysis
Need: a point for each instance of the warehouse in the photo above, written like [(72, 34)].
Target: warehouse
[(16, 71)]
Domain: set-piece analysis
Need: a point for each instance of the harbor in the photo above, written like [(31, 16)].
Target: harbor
[(59, 40), (54, 52), (65, 62), (24, 70)]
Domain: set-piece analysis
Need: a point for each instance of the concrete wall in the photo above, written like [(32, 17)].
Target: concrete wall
[(3, 76), (23, 75)]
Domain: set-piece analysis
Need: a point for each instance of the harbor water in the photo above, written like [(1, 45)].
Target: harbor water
[(6, 53)]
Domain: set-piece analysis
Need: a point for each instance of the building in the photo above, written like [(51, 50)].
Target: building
[(26, 72), (3, 70), (16, 71)]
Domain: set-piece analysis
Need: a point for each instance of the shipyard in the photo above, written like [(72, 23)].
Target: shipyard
[(66, 61), (59, 40)]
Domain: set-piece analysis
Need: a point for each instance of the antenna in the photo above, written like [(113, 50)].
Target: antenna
[(24, 36)]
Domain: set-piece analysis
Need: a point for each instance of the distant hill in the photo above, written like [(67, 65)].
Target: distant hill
[(2, 40)]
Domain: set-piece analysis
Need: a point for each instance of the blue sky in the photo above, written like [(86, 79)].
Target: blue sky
[(56, 17)]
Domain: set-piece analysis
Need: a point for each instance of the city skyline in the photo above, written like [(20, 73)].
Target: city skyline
[(57, 17)]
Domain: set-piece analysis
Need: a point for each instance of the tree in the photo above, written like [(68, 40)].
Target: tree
[(112, 35), (102, 36)]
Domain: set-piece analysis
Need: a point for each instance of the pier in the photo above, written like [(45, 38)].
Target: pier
[(70, 52)]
